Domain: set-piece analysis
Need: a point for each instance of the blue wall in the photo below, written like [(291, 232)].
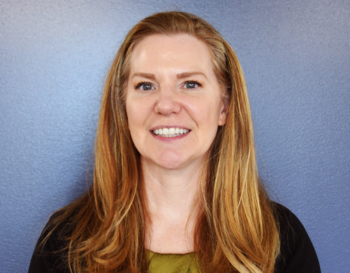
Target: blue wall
[(54, 59)]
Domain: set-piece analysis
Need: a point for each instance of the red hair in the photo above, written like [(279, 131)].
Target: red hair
[(236, 229)]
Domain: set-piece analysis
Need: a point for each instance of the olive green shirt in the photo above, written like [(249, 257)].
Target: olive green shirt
[(171, 263)]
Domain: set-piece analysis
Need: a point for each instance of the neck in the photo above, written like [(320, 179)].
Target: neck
[(172, 198)]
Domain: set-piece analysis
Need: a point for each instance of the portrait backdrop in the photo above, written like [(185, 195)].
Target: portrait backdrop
[(55, 56)]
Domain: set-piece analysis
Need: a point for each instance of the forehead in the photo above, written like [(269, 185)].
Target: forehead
[(176, 52)]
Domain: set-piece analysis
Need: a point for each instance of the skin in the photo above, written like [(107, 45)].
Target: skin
[(172, 84)]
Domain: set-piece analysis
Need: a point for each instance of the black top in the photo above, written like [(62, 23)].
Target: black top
[(297, 253)]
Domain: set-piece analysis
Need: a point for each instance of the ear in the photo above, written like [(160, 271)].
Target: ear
[(223, 112)]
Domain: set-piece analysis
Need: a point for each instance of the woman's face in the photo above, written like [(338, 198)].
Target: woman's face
[(173, 102)]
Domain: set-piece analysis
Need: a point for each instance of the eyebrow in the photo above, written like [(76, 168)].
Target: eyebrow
[(179, 76), (145, 75), (189, 74)]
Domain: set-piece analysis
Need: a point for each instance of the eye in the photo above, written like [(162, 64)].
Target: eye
[(192, 84), (145, 86)]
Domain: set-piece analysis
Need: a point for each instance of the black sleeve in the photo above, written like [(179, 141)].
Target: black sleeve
[(297, 253), (49, 258)]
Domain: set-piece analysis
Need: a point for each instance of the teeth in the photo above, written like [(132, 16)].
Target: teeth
[(170, 132)]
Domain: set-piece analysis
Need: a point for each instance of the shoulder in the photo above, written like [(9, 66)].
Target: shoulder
[(50, 254), (297, 253)]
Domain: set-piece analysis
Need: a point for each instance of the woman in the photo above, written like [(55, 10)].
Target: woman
[(175, 186)]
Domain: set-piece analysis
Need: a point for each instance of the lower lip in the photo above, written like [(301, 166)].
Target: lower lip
[(169, 139)]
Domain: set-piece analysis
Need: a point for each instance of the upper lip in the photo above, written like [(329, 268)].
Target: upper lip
[(169, 126)]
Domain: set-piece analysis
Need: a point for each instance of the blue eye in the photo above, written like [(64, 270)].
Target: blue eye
[(144, 86), (192, 84)]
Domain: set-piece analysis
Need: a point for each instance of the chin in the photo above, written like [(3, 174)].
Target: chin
[(177, 163), (171, 164)]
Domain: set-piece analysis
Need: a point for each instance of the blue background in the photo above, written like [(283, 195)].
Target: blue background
[(55, 56)]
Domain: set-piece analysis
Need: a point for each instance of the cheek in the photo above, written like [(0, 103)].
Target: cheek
[(210, 112), (133, 124), (131, 115), (137, 111)]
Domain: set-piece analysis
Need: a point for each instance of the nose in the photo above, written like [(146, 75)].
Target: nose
[(167, 102)]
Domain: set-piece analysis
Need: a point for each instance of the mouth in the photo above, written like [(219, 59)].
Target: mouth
[(170, 132)]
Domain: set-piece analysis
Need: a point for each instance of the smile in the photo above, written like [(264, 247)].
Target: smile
[(170, 132)]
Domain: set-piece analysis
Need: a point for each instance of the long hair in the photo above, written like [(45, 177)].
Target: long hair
[(235, 230)]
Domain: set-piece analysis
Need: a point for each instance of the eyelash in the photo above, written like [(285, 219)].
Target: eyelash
[(193, 82), (140, 84), (143, 83)]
